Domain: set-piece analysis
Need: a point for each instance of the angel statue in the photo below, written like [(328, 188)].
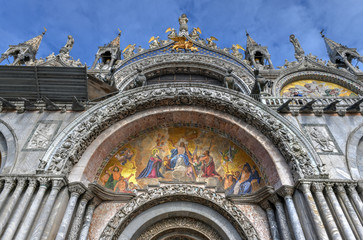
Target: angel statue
[(235, 51), (154, 42), (172, 33), (210, 43), (129, 50), (195, 33), (299, 51)]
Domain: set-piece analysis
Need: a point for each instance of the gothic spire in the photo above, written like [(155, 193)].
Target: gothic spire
[(35, 42), (116, 41), (250, 41)]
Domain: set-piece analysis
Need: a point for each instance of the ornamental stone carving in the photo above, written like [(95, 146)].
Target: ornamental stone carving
[(183, 223), (76, 188), (67, 150), (168, 193), (126, 74)]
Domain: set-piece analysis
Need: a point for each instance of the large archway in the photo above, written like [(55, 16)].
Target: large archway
[(295, 148)]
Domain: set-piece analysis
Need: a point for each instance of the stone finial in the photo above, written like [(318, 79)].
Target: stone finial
[(286, 191), (317, 187)]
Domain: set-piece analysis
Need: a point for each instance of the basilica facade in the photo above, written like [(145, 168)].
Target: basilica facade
[(183, 140)]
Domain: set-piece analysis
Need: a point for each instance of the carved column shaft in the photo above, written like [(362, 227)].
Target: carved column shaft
[(356, 222), (29, 219), (47, 209), (271, 220), (356, 199), (8, 186), (76, 190), (88, 218), (73, 234), (334, 233), (5, 215), (318, 224), (15, 220), (347, 231), (281, 218)]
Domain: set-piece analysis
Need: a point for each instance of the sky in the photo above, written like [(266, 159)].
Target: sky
[(269, 22)]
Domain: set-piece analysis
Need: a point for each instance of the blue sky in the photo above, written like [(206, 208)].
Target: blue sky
[(95, 23)]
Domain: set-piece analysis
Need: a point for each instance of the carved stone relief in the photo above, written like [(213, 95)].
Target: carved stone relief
[(322, 139), (172, 192), (180, 223), (42, 135)]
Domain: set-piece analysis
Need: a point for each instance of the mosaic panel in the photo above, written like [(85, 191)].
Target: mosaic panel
[(315, 88), (181, 154)]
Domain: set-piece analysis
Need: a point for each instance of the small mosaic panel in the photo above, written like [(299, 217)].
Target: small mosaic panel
[(322, 139), (315, 88), (42, 135), (181, 154)]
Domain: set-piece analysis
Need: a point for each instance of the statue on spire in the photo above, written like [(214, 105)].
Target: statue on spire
[(183, 22), (299, 52), (69, 45)]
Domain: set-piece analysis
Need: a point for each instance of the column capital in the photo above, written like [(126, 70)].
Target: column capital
[(351, 188), (305, 187), (9, 183), (286, 191), (57, 184), (21, 181), (32, 182), (274, 199), (76, 188), (265, 204), (88, 195), (95, 201), (317, 187), (329, 187), (340, 187), (44, 181)]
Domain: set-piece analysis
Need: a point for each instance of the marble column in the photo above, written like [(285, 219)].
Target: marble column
[(353, 194), (346, 229), (17, 217), (271, 220), (77, 221), (351, 211), (328, 218), (281, 218), (32, 212), (286, 192), (37, 233), (88, 218), (8, 186), (76, 189), (360, 190), (6, 213), (1, 184), (318, 224)]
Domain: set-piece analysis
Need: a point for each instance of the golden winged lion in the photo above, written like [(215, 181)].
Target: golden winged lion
[(182, 43)]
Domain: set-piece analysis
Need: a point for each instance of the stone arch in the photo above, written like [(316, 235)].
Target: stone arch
[(69, 145), (8, 147), (267, 157), (353, 148), (126, 74), (174, 193), (315, 74)]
